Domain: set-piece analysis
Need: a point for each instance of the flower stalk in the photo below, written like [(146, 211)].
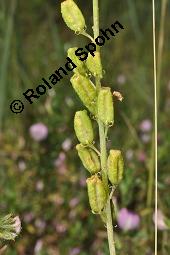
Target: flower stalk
[(106, 171), (102, 136), (105, 180)]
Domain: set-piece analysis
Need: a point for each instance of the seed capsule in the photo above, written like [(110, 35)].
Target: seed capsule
[(85, 90), (72, 16), (94, 64), (105, 109), (89, 158), (96, 193), (115, 166), (80, 65), (83, 127)]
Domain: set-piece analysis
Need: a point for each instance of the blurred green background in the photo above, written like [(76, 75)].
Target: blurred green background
[(44, 182)]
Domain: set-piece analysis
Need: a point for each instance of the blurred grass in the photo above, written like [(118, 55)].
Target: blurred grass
[(7, 31)]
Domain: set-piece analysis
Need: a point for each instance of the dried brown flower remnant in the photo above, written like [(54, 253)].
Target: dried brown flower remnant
[(118, 95)]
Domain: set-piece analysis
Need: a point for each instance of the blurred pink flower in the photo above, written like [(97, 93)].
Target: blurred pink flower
[(82, 181), (145, 138), (75, 251), (40, 224), (66, 145), (128, 220), (61, 228), (17, 225), (28, 217), (145, 125), (39, 185), (141, 156), (38, 246), (60, 164), (60, 160), (129, 154), (21, 165), (160, 220), (38, 132), (73, 202)]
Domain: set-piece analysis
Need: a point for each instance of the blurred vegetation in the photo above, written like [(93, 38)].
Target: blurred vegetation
[(51, 198)]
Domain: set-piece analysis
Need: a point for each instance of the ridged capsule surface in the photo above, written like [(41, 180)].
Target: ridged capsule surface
[(81, 68), (105, 110), (85, 90), (94, 64), (83, 127), (115, 165), (72, 16), (89, 158), (96, 193)]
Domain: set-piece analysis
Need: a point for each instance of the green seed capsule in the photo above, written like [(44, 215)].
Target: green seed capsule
[(115, 166), (85, 90), (96, 193), (72, 16), (89, 158), (80, 65), (83, 127), (105, 106), (94, 64)]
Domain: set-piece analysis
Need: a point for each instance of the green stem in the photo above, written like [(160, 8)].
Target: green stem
[(96, 18), (88, 36), (110, 229), (103, 158), (95, 149), (102, 136)]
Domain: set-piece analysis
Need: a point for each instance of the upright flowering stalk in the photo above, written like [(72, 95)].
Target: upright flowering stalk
[(106, 170)]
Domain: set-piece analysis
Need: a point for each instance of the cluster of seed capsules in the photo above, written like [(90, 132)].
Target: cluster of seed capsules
[(100, 105)]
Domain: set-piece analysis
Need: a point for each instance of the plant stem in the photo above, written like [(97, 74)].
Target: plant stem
[(155, 125), (94, 148), (102, 136), (110, 229), (88, 36), (96, 18), (103, 159)]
